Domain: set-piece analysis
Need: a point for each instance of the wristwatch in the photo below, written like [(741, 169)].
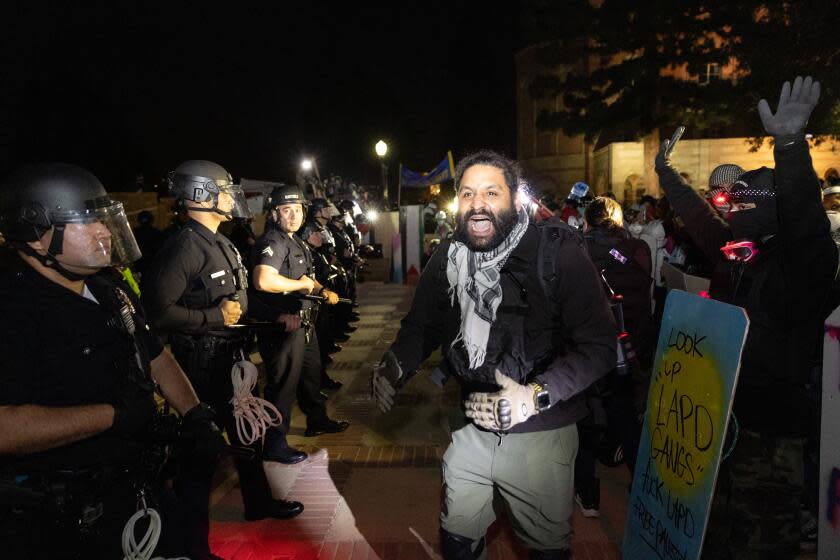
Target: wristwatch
[(542, 398)]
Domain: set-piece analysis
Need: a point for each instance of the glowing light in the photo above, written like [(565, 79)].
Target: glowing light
[(453, 206), (381, 148), (306, 164), (372, 216), (524, 199), (720, 199)]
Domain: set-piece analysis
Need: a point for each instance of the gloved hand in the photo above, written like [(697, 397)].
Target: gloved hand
[(202, 437), (795, 107), (134, 404), (386, 380), (330, 297), (512, 405)]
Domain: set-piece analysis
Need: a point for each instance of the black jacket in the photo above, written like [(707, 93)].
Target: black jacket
[(626, 263), (785, 292), (184, 286), (565, 339)]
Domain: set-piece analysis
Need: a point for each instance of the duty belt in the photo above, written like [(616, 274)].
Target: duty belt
[(74, 496), (209, 343)]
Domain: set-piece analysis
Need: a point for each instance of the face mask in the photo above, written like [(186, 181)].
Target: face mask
[(834, 219)]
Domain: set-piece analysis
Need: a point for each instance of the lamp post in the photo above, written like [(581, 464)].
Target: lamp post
[(310, 166), (381, 150)]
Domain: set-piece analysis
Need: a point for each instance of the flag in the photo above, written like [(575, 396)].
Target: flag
[(444, 171)]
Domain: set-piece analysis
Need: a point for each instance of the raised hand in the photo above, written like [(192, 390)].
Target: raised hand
[(795, 106)]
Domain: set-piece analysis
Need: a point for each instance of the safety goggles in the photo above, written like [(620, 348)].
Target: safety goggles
[(743, 251), (720, 200)]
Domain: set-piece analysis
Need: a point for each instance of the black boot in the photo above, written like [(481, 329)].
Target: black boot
[(277, 509), (456, 547)]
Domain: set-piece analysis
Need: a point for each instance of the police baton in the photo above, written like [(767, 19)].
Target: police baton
[(255, 325), (320, 298)]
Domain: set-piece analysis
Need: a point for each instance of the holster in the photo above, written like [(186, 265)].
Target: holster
[(71, 498), (199, 352)]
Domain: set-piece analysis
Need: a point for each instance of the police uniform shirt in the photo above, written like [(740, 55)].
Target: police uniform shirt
[(290, 257), (58, 348), (185, 285)]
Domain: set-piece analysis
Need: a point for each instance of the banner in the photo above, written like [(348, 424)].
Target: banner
[(689, 403), (444, 171)]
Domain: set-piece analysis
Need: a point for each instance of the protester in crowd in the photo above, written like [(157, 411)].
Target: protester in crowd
[(616, 401), (521, 368), (720, 182), (443, 229), (776, 259)]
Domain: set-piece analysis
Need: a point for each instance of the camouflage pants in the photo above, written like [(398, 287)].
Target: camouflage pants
[(755, 510)]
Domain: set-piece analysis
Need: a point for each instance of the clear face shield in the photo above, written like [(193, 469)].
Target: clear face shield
[(232, 202), (95, 237)]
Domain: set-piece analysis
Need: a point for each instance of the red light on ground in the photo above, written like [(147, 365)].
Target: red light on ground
[(704, 294)]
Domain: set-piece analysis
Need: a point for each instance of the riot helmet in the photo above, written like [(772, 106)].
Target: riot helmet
[(309, 229), (89, 229), (204, 181), (287, 220), (316, 205), (285, 194), (346, 206)]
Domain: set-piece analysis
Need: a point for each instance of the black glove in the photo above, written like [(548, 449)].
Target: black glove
[(134, 405), (795, 106), (200, 434), (386, 380)]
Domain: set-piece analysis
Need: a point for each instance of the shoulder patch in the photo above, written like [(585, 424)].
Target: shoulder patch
[(267, 251)]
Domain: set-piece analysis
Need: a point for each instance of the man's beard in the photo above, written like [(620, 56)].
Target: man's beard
[(503, 223)]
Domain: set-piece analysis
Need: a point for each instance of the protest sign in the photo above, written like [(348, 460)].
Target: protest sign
[(688, 410)]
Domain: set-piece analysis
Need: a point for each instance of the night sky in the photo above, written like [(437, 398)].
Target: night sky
[(123, 89)]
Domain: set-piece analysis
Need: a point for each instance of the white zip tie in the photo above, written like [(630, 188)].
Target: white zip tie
[(254, 416)]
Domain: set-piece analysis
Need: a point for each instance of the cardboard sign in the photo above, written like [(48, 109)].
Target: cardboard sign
[(676, 279), (829, 514), (689, 403)]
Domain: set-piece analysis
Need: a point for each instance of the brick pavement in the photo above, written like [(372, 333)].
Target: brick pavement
[(369, 490)]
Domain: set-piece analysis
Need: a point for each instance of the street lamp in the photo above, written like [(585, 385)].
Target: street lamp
[(306, 165), (381, 150)]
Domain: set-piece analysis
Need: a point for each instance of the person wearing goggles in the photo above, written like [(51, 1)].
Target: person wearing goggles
[(774, 256)]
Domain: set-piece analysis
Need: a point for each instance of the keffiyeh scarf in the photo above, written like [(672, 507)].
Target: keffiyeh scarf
[(474, 278)]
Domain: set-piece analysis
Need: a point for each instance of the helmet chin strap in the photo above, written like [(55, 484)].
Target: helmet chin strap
[(227, 215), (50, 261)]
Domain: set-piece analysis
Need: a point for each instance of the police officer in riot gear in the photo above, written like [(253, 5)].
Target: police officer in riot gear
[(282, 270), (78, 368), (195, 288), (312, 233)]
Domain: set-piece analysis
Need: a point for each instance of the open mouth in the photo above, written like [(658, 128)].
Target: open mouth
[(480, 225)]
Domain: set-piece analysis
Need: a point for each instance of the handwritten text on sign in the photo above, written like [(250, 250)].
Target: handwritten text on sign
[(688, 407)]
